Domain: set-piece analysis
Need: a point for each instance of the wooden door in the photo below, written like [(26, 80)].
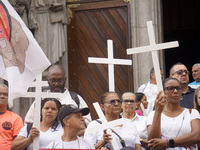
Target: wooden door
[(93, 23)]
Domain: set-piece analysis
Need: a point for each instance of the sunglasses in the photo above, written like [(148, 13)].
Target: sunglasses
[(112, 102), (126, 101), (180, 72), (172, 88)]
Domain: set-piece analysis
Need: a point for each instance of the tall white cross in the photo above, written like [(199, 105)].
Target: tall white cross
[(111, 62), (106, 125), (38, 95), (153, 48)]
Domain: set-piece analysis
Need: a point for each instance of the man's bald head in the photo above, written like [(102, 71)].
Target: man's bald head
[(56, 78)]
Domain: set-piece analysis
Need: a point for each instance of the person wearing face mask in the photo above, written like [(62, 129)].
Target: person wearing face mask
[(180, 72)]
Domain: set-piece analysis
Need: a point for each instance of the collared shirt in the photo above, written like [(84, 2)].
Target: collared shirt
[(140, 122), (188, 98), (194, 83)]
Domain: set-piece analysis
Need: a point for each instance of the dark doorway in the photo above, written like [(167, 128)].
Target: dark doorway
[(181, 21)]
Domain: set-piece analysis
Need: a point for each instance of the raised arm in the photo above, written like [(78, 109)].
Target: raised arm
[(154, 130)]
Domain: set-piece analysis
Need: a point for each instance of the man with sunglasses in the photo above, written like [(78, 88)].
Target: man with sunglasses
[(180, 72), (129, 104)]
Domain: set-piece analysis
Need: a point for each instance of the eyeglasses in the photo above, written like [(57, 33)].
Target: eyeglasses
[(172, 88), (112, 102), (60, 81), (4, 94), (180, 72), (131, 101)]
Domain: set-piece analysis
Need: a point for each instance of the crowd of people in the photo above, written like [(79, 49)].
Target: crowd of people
[(173, 121)]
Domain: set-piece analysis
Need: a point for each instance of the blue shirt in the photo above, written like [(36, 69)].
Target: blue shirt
[(194, 83)]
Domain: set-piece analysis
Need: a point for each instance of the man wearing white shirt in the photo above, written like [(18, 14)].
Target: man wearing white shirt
[(150, 88), (129, 104), (56, 79), (71, 118)]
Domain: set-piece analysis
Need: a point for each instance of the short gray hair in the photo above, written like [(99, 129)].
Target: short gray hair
[(127, 93), (197, 64)]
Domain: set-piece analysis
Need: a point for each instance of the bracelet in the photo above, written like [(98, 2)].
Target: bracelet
[(167, 142)]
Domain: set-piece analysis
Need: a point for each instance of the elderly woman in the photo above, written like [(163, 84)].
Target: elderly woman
[(129, 104), (50, 128), (171, 126), (111, 105)]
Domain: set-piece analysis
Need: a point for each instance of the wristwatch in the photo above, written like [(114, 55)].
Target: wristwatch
[(171, 143)]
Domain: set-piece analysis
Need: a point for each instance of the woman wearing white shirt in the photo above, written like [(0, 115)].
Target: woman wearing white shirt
[(111, 105), (50, 128), (170, 125)]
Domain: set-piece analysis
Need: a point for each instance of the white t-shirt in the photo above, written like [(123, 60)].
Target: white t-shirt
[(45, 137), (177, 126), (127, 132), (65, 100), (80, 143)]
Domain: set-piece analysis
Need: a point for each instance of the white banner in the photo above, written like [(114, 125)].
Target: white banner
[(21, 58)]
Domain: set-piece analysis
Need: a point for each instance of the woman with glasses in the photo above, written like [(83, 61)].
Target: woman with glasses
[(129, 104), (171, 126), (125, 135)]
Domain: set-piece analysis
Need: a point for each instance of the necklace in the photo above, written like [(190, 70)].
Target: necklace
[(70, 141)]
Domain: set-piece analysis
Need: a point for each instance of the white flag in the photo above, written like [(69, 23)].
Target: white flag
[(21, 58)]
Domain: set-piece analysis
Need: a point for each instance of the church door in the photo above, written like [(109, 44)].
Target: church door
[(91, 25)]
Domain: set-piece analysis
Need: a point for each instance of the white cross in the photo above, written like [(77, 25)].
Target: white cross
[(153, 48), (106, 125), (111, 62), (38, 94)]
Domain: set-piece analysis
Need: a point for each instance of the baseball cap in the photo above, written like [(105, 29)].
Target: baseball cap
[(69, 109)]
